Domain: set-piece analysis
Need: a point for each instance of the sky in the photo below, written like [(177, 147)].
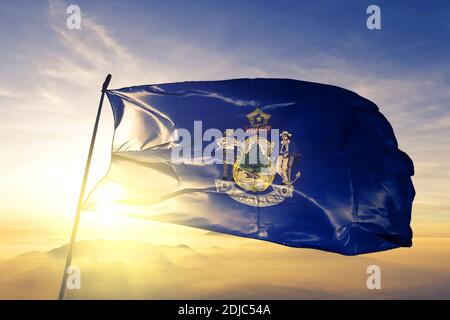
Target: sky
[(51, 77)]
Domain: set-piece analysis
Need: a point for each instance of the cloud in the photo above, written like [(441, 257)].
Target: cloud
[(45, 125), (59, 103), (87, 53), (252, 270), (7, 93), (415, 104)]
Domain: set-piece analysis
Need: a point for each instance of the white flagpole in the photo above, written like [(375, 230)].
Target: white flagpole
[(82, 191)]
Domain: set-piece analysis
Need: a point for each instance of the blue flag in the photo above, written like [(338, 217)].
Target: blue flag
[(297, 163)]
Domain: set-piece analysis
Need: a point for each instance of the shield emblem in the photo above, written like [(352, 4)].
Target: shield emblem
[(254, 169)]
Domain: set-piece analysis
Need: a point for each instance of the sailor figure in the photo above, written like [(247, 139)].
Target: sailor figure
[(286, 157), (228, 144)]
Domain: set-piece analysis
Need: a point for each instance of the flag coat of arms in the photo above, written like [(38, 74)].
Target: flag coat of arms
[(292, 162)]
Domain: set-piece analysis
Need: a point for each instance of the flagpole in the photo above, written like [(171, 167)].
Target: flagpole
[(82, 190)]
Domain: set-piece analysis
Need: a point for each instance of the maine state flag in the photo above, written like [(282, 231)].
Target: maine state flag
[(296, 163)]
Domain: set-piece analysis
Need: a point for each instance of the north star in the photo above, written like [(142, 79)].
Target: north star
[(195, 310)]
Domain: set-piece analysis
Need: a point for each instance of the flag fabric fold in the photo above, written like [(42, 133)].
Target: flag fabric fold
[(315, 166)]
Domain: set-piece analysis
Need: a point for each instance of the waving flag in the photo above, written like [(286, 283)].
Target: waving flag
[(297, 163)]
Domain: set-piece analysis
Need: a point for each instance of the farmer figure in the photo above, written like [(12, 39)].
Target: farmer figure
[(286, 157)]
